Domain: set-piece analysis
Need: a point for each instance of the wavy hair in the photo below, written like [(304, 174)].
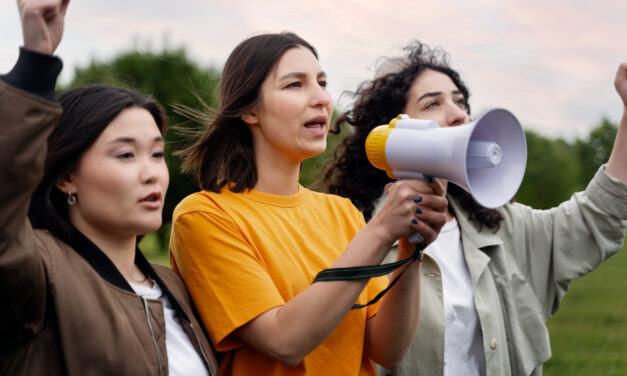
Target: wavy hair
[(377, 102)]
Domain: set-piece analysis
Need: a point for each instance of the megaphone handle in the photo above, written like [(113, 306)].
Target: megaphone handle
[(416, 238)]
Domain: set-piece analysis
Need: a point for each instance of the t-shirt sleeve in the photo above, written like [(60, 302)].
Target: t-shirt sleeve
[(225, 276)]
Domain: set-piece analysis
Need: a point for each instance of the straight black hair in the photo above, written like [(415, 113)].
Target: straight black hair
[(87, 111)]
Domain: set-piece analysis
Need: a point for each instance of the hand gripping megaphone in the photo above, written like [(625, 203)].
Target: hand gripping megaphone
[(487, 157)]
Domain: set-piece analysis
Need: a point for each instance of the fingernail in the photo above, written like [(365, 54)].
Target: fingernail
[(418, 211), (417, 198), (430, 179), (414, 221)]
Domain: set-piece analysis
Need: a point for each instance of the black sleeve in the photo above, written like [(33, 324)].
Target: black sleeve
[(35, 73)]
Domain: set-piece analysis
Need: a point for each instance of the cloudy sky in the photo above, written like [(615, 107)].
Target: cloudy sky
[(552, 63)]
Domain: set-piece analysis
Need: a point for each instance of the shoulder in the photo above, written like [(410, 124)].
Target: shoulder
[(514, 211), (198, 201), (51, 247), (170, 278), (331, 199), (336, 204), (205, 202), (174, 283)]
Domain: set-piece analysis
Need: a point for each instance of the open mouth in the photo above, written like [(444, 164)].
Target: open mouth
[(153, 197), (315, 125)]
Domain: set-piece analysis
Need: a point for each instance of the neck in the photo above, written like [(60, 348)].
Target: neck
[(119, 249), (450, 215), (277, 176)]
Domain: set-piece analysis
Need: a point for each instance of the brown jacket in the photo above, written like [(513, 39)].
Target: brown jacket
[(64, 307)]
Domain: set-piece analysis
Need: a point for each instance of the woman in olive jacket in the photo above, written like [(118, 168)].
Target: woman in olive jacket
[(492, 277), (81, 182)]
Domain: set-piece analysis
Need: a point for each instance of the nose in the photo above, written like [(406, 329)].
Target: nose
[(455, 115), (149, 173), (320, 97)]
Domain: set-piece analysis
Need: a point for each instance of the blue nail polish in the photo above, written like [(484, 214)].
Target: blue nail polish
[(430, 179), (417, 198), (414, 221), (418, 211)]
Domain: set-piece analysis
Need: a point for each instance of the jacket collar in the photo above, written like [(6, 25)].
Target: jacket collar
[(103, 265), (475, 242), (470, 231)]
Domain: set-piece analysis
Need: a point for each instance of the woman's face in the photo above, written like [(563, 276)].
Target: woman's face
[(434, 96), (291, 120), (121, 180)]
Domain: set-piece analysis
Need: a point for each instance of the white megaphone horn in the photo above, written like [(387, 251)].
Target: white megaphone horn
[(487, 157)]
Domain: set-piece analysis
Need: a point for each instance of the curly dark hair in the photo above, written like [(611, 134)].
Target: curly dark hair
[(378, 101)]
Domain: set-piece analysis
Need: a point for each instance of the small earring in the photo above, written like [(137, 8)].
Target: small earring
[(71, 199)]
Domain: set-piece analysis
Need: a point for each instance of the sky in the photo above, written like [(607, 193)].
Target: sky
[(552, 63)]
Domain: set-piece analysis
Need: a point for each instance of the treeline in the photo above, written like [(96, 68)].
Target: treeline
[(555, 168)]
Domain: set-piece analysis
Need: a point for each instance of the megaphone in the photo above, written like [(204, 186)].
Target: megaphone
[(487, 157)]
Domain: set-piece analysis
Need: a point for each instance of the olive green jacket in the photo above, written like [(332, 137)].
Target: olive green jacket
[(520, 275)]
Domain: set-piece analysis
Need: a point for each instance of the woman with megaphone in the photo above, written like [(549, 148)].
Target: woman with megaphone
[(494, 275), (260, 253)]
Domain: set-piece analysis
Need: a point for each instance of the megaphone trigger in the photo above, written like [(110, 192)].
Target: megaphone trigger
[(416, 238)]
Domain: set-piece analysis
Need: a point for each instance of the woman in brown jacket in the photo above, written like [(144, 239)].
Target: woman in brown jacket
[(81, 183)]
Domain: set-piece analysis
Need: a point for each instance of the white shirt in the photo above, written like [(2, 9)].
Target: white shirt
[(463, 341), (182, 356)]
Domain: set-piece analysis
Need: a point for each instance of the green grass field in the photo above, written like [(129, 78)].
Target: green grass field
[(588, 333)]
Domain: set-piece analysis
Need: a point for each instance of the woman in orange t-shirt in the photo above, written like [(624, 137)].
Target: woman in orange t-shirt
[(250, 244)]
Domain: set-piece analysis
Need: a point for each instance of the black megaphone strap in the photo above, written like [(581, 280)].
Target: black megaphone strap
[(363, 272)]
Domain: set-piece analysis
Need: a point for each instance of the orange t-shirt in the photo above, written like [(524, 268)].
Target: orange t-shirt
[(242, 254)]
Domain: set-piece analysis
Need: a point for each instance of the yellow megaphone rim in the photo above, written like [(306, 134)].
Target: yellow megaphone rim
[(375, 147), (393, 122)]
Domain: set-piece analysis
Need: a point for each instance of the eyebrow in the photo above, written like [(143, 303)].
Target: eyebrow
[(437, 94), (300, 75), (130, 140)]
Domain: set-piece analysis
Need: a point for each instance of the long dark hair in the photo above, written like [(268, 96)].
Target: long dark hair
[(377, 102), (87, 111), (224, 152)]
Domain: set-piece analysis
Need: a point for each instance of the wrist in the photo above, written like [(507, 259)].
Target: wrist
[(379, 232)]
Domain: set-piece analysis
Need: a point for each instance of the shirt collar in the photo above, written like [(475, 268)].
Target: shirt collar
[(481, 239)]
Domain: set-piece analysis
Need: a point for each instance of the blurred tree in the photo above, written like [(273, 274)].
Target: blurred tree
[(555, 168), (171, 77), (552, 173), (596, 150)]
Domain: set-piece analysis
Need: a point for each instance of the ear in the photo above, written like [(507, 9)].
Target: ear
[(65, 184), (250, 119)]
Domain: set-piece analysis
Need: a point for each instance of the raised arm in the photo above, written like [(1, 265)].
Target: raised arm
[(42, 24), (617, 164), (27, 119)]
